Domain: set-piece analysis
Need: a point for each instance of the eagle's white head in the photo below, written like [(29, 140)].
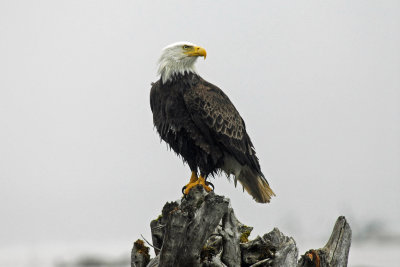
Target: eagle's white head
[(178, 58)]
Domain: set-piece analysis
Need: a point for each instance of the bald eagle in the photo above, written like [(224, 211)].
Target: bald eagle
[(199, 122)]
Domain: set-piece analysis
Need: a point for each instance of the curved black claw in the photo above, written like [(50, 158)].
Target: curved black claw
[(183, 190), (210, 184)]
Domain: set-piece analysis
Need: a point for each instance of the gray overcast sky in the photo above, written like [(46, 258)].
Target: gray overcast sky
[(317, 83)]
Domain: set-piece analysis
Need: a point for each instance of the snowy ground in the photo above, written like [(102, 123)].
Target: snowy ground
[(367, 254)]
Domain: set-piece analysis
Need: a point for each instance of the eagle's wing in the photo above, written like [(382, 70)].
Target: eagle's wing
[(221, 124), (217, 118)]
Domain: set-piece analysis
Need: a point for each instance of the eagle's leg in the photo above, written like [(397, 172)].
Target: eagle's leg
[(194, 181), (193, 178), (204, 183)]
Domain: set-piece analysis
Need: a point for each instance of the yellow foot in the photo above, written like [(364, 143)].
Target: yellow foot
[(194, 182), (193, 179)]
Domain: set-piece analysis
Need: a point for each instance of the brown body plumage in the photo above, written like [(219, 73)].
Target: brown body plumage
[(201, 124)]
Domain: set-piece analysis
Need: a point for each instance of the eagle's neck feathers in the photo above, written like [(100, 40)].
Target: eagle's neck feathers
[(172, 64)]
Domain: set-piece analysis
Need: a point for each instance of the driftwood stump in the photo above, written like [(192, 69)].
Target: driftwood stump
[(202, 230), (335, 252)]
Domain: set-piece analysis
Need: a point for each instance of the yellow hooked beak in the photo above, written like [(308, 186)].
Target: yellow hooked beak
[(197, 51)]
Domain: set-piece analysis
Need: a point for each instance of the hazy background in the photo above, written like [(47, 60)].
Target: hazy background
[(82, 170)]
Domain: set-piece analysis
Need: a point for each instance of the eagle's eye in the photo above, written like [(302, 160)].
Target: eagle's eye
[(186, 47)]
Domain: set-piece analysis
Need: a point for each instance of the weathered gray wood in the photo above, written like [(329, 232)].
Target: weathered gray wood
[(273, 249), (189, 226), (339, 243), (336, 250), (202, 230), (140, 256), (230, 232), (286, 252), (154, 262), (158, 225)]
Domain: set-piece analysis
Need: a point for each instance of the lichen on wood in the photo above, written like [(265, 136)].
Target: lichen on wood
[(140, 256)]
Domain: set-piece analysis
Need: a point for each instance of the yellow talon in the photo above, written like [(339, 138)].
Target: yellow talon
[(194, 181)]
